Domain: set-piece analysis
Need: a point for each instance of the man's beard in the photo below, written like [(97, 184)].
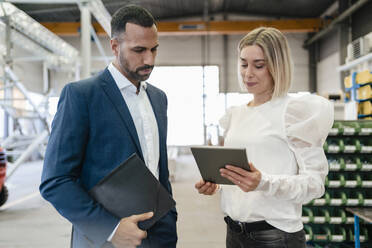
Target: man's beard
[(124, 65)]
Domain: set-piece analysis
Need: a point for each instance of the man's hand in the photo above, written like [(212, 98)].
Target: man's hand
[(206, 188), (128, 235)]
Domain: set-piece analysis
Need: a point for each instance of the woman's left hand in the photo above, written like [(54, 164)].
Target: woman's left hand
[(246, 180)]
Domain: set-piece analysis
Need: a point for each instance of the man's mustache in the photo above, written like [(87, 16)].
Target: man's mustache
[(145, 67)]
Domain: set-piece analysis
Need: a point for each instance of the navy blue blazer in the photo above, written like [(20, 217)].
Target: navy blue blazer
[(92, 133)]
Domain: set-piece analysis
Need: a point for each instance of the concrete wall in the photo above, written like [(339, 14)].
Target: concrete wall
[(328, 78), (177, 50), (300, 57)]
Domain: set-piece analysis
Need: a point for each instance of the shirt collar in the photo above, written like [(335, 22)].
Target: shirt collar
[(122, 82)]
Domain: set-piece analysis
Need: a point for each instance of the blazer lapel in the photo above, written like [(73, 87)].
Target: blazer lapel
[(111, 89)]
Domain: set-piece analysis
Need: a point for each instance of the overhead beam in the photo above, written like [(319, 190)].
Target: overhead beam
[(338, 19), (70, 28), (238, 27), (202, 28)]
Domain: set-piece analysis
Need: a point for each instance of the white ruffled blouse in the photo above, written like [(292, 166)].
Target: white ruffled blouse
[(284, 140)]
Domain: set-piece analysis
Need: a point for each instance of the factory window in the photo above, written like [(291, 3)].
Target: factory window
[(184, 88)]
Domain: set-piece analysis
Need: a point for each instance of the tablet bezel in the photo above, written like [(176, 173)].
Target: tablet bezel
[(210, 159)]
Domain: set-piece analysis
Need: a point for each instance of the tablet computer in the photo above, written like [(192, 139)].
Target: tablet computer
[(210, 159)]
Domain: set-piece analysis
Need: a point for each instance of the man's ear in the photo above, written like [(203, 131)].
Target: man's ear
[(115, 46)]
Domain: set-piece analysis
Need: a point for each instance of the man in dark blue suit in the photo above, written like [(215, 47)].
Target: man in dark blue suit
[(99, 123)]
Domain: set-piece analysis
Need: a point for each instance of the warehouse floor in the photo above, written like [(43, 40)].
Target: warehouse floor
[(28, 221)]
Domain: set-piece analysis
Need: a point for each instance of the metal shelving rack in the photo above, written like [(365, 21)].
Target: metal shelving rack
[(349, 152), (360, 92)]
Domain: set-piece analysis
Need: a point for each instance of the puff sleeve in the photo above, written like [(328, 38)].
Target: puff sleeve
[(225, 120), (307, 122)]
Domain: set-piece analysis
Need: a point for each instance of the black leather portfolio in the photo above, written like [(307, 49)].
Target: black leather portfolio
[(130, 189)]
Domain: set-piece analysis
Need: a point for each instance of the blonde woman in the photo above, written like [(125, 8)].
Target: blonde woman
[(283, 136)]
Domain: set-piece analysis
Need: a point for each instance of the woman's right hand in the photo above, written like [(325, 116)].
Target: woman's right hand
[(206, 188)]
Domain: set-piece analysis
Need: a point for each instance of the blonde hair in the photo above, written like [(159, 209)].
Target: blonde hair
[(277, 54)]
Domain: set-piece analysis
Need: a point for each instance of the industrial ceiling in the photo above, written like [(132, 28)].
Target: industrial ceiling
[(175, 9)]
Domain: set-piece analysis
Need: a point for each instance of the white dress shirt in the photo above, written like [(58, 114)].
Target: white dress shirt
[(143, 117), (284, 140), (144, 120)]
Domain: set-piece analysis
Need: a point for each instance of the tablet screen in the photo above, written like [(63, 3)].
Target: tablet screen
[(210, 159)]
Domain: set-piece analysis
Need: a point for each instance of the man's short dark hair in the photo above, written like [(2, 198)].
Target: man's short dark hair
[(133, 14)]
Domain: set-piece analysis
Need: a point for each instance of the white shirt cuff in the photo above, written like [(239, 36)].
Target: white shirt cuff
[(218, 189), (113, 233), (263, 181)]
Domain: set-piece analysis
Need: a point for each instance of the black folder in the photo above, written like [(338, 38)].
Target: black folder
[(130, 189)]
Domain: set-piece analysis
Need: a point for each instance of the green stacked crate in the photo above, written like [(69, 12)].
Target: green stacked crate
[(349, 152)]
